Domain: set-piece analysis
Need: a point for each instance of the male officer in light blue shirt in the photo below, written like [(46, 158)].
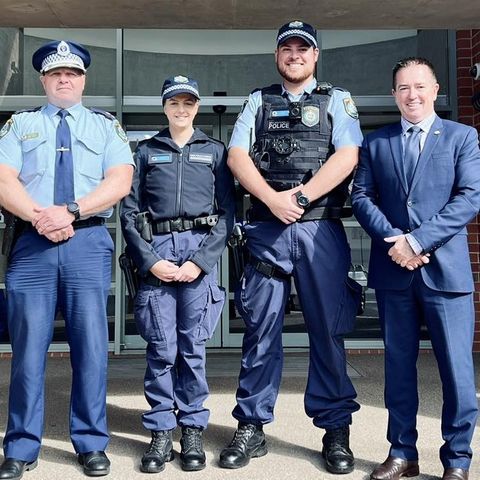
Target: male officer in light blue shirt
[(294, 147), (62, 168)]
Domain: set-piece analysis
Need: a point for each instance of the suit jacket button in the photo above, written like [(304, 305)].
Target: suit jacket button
[(409, 203)]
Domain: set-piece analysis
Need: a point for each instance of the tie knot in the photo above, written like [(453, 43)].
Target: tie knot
[(62, 113), (414, 129)]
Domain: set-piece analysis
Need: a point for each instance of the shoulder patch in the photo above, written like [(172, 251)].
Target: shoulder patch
[(350, 108), (103, 112), (120, 131), (6, 128)]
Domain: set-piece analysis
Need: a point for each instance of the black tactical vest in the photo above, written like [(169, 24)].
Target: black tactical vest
[(293, 141)]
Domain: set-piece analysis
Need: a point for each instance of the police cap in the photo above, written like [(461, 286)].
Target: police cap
[(61, 53), (179, 84), (297, 29)]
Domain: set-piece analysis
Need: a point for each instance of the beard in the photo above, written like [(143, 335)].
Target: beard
[(296, 77)]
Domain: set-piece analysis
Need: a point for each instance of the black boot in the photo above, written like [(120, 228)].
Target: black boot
[(192, 454), (13, 469), (158, 452), (248, 442), (336, 451)]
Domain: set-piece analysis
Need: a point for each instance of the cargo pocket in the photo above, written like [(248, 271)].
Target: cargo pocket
[(211, 314), (147, 316), (349, 307)]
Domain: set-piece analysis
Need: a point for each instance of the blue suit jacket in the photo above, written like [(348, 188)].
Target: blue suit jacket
[(443, 197)]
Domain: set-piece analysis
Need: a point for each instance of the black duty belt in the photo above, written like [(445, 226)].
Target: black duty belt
[(316, 213), (182, 224), (268, 269), (88, 222), (151, 279)]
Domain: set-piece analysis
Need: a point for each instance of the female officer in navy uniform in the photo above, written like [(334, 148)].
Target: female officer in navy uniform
[(183, 184)]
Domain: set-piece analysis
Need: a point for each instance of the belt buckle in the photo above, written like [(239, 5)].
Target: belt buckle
[(176, 225)]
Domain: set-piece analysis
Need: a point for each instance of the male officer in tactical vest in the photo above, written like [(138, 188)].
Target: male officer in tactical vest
[(305, 138), (62, 168)]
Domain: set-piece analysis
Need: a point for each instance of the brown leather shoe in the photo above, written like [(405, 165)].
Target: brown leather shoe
[(455, 474), (394, 468)]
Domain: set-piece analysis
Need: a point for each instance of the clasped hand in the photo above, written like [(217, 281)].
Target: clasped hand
[(284, 206), (55, 223), (402, 254), (167, 271)]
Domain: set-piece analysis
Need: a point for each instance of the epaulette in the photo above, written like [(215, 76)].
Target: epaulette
[(102, 112), (36, 109)]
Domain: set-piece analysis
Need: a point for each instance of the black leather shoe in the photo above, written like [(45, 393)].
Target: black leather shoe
[(393, 468), (455, 474), (158, 452), (192, 455), (95, 464), (248, 442), (13, 469), (336, 451)]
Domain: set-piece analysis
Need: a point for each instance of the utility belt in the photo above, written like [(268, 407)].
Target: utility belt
[(88, 222), (315, 213), (182, 224), (268, 269)]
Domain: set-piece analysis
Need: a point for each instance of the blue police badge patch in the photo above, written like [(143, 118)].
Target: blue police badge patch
[(180, 79), (160, 158), (295, 24), (350, 108), (120, 132), (63, 49), (6, 128), (310, 115)]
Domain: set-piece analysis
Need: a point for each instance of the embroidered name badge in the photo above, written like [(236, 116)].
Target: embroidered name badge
[(201, 158), (160, 158), (278, 113), (30, 136), (278, 125)]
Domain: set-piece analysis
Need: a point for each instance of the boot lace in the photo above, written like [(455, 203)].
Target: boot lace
[(242, 435), (158, 443), (192, 438)]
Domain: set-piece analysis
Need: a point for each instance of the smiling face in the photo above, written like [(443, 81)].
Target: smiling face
[(415, 92), (181, 110), (63, 86), (296, 61)]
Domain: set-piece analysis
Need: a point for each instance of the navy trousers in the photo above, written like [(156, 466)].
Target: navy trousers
[(176, 320), (43, 278), (449, 318), (318, 256)]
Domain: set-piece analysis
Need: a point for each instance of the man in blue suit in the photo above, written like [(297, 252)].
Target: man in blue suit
[(416, 188)]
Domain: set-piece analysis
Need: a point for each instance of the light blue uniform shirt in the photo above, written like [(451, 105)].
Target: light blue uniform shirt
[(345, 129), (28, 144)]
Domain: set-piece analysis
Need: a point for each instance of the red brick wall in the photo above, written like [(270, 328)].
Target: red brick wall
[(468, 53)]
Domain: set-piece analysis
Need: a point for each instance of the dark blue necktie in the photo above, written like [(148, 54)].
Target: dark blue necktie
[(411, 152), (64, 189)]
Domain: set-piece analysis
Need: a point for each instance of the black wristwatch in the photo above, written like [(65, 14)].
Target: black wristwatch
[(302, 200), (74, 209)]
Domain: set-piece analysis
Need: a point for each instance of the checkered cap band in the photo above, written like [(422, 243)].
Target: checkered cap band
[(297, 33), (184, 87), (55, 60)]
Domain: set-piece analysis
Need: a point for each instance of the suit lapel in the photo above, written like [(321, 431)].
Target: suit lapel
[(432, 138), (396, 149)]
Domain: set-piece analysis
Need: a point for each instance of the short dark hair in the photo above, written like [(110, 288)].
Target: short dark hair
[(407, 62)]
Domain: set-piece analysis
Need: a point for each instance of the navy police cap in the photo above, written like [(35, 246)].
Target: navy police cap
[(179, 84), (297, 29), (61, 53)]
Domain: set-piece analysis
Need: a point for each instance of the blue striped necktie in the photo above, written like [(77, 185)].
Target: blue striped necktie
[(411, 152), (64, 188)]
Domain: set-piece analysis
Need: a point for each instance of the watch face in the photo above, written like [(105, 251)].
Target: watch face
[(73, 208), (303, 201)]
